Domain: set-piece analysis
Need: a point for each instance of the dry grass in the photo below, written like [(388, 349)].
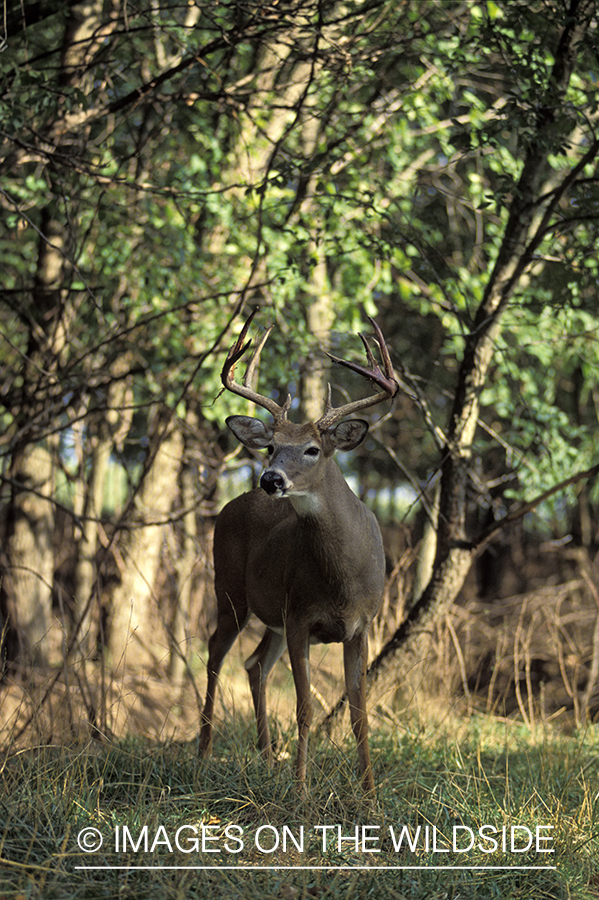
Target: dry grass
[(147, 795), (473, 748)]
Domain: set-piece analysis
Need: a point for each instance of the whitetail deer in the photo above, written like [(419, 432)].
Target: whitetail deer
[(302, 552)]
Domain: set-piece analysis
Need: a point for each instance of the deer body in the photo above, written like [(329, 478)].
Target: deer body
[(301, 562), (305, 555)]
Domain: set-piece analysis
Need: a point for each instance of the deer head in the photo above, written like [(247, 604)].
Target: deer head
[(297, 453)]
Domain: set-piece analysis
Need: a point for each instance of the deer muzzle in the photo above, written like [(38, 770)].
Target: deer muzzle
[(273, 482)]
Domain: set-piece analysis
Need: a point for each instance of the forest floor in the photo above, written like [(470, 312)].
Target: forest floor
[(82, 701), (471, 806)]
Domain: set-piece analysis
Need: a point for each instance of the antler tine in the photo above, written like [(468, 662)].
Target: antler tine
[(279, 413), (384, 352), (383, 379), (248, 378)]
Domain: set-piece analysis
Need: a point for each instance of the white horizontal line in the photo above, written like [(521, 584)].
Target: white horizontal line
[(325, 868)]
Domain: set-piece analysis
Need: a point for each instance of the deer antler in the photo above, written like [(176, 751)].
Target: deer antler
[(279, 413), (385, 380)]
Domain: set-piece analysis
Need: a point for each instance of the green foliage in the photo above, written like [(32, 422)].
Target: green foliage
[(205, 155)]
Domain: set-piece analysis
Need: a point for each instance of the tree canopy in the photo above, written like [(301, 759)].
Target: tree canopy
[(166, 166)]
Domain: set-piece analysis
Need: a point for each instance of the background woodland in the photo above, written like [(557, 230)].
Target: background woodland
[(165, 168)]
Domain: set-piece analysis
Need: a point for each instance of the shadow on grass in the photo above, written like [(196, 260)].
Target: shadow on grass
[(471, 794)]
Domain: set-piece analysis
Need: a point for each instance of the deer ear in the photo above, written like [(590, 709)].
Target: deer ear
[(252, 433), (348, 434)]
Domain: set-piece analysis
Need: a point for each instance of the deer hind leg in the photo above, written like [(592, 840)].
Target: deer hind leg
[(229, 625), (355, 659), (258, 667)]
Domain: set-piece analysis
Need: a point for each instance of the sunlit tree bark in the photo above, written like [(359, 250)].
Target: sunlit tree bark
[(137, 630)]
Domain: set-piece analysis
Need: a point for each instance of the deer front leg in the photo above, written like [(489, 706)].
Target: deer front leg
[(299, 656), (227, 628), (355, 659), (258, 667)]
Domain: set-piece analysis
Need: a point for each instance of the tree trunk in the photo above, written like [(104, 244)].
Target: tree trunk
[(184, 569), (530, 213), (320, 316), (108, 430), (86, 599), (29, 547), (31, 555), (137, 632)]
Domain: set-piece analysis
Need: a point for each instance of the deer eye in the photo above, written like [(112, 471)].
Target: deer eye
[(270, 449), (312, 451)]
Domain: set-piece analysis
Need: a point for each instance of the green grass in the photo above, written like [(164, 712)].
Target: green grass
[(474, 773)]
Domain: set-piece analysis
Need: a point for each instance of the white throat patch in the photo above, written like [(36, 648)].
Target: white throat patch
[(305, 504)]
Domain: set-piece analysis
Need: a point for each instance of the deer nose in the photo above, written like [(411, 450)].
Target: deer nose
[(271, 482)]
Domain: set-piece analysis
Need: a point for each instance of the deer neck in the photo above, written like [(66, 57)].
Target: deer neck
[(330, 520)]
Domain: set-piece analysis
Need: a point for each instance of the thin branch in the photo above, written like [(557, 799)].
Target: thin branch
[(523, 509)]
